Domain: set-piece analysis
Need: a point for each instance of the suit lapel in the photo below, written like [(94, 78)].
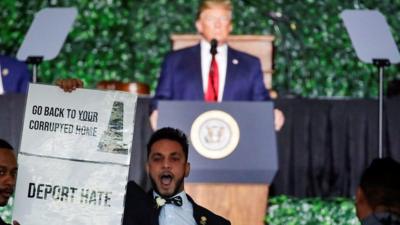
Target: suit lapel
[(196, 74), (155, 210), (231, 73), (199, 213), (196, 211)]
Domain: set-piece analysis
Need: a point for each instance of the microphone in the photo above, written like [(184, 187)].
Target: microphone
[(214, 44)]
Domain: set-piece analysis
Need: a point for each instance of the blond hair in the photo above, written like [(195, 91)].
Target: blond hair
[(207, 4)]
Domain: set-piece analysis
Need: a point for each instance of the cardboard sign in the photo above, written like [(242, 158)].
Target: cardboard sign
[(74, 156)]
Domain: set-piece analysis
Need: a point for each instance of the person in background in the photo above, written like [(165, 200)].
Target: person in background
[(199, 74), (378, 195), (14, 76), (8, 174), (212, 71)]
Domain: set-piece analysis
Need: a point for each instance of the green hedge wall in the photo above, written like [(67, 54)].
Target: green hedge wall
[(284, 210), (126, 40)]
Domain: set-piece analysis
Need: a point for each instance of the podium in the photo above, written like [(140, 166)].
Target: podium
[(232, 153)]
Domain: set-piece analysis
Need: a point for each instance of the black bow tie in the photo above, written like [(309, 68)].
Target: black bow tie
[(177, 200)]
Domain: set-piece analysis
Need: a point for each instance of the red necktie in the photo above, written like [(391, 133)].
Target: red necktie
[(212, 86)]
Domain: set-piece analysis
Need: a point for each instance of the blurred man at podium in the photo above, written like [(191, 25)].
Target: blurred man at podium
[(211, 70)]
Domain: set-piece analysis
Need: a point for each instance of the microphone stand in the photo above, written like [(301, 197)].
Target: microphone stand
[(380, 64), (35, 61)]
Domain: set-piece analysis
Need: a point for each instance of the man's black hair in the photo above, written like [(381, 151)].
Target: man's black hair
[(5, 144), (172, 134), (380, 183)]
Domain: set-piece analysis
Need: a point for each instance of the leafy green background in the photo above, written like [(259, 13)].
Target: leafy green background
[(284, 210), (126, 40)]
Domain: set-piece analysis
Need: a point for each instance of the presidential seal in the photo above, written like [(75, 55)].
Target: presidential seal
[(215, 134)]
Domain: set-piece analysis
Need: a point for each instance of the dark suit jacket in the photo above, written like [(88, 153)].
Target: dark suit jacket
[(381, 218), (212, 219), (2, 222), (138, 206), (181, 78), (14, 74), (140, 209)]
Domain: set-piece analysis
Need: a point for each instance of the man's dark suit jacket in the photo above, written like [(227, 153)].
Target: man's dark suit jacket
[(3, 223), (14, 74), (181, 78), (140, 209)]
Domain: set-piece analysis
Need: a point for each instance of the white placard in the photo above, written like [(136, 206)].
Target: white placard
[(62, 192), (86, 124), (74, 156)]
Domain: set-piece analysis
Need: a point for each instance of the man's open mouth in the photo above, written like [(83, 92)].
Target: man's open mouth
[(166, 178)]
